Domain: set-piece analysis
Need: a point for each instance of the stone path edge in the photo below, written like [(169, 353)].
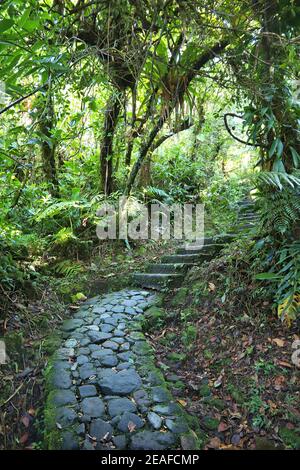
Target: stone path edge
[(103, 388)]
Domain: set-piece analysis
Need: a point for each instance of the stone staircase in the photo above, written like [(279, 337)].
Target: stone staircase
[(171, 270)]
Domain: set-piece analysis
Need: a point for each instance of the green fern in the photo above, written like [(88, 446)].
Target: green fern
[(57, 208), (68, 268), (157, 194), (64, 236)]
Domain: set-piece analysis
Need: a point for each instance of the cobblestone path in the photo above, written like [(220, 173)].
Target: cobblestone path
[(104, 391)]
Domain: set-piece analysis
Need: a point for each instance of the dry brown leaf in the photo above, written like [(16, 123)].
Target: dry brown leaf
[(131, 426), (222, 427), (182, 402), (284, 364), (24, 438), (214, 443), (25, 420), (279, 342)]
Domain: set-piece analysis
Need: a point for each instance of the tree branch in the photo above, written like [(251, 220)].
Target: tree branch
[(252, 144)]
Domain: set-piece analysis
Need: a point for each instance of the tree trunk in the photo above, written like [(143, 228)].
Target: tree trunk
[(273, 76), (48, 146), (106, 153), (145, 173)]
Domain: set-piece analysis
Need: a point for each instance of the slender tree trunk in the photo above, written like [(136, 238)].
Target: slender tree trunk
[(145, 173), (48, 147), (112, 111)]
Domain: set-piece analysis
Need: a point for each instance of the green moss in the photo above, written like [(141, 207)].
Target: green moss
[(154, 317), (176, 357), (51, 344), (204, 391), (191, 441), (290, 437), (178, 385), (52, 435), (14, 343), (216, 402), (236, 394), (180, 297), (207, 354), (211, 423)]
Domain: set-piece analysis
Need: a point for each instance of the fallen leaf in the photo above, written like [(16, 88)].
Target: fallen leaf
[(279, 342), (25, 420), (214, 443), (24, 438), (131, 426), (31, 411), (290, 426), (222, 427), (284, 364), (278, 382), (182, 402)]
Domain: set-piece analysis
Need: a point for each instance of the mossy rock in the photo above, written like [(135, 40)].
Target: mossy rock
[(179, 385), (191, 441), (180, 297), (210, 423), (238, 396), (204, 391), (216, 402), (290, 437), (154, 317), (51, 344)]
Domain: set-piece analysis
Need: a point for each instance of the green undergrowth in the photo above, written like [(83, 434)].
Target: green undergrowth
[(208, 327)]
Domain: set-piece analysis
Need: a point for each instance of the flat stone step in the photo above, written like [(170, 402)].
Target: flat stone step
[(157, 281), (246, 203), (167, 268), (242, 227), (248, 217), (186, 258), (212, 248), (225, 238)]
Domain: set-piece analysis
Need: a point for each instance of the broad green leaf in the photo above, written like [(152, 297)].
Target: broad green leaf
[(295, 156), (278, 166), (273, 148), (279, 148), (6, 24), (267, 277)]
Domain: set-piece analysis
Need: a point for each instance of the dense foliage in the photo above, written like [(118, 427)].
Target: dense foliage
[(96, 104)]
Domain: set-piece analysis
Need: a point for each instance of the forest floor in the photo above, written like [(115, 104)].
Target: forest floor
[(234, 361)]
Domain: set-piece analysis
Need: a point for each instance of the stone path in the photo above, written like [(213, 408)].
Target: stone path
[(104, 389)]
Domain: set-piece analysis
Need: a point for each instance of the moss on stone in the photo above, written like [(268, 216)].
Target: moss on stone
[(51, 344), (153, 318), (177, 357), (216, 402), (210, 423), (180, 297), (204, 391), (290, 437)]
